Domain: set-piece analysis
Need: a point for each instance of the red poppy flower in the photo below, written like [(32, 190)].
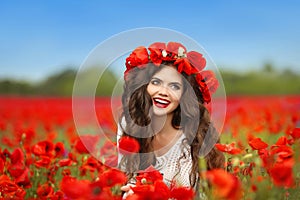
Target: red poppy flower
[(196, 59), (208, 84), (65, 162), (1, 166), (149, 175), (228, 148), (182, 193), (43, 148), (257, 144), (282, 174), (137, 58), (98, 193), (66, 172), (128, 145), (17, 157), (10, 190), (162, 190), (86, 143), (23, 178), (282, 152), (157, 191), (200, 80), (143, 191), (296, 133), (90, 165), (112, 177), (268, 160), (45, 191), (108, 154), (43, 162), (282, 141), (183, 65), (225, 185), (109, 148), (206, 94), (75, 189), (210, 80), (172, 49), (59, 149), (156, 52)]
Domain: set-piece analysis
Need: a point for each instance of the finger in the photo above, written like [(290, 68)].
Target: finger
[(125, 188)]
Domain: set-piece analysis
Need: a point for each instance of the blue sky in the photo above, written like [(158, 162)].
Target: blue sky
[(39, 38)]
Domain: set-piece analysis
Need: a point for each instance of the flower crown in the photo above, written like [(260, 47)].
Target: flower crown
[(190, 63)]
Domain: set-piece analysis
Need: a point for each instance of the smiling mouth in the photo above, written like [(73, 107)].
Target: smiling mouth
[(161, 103)]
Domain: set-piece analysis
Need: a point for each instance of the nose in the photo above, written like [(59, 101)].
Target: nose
[(163, 91)]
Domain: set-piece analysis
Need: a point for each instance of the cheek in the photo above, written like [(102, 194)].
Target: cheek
[(177, 95), (150, 90)]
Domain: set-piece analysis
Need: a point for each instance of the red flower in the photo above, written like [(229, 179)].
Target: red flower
[(109, 148), (281, 152), (1, 166), (43, 148), (157, 191), (225, 185), (149, 175), (23, 178), (156, 52), (172, 49), (210, 80), (296, 133), (17, 157), (45, 191), (137, 58), (208, 84), (75, 189), (128, 145), (98, 193), (183, 65), (10, 190), (228, 148), (282, 141), (282, 174), (108, 153), (182, 193), (59, 149), (111, 178), (43, 162), (86, 143), (65, 162), (91, 164), (196, 59), (257, 144)]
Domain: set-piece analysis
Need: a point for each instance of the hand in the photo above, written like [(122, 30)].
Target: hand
[(128, 191)]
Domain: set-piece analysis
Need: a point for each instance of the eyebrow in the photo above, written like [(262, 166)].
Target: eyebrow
[(170, 82)]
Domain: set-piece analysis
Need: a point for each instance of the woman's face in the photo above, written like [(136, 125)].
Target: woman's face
[(165, 89)]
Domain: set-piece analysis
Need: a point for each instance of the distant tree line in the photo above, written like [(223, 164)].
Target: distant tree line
[(266, 81), (59, 84)]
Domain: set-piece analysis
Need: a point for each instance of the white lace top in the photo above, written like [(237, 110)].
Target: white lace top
[(173, 164)]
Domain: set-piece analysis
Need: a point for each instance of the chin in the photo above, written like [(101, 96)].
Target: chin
[(160, 113)]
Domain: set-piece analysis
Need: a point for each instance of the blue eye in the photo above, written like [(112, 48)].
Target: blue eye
[(175, 87), (155, 82)]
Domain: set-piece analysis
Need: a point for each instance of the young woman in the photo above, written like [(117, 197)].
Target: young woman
[(163, 109)]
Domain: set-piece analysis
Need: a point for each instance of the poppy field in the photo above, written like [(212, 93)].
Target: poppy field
[(42, 156)]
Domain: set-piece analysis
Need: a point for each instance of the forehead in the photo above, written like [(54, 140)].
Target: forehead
[(168, 74)]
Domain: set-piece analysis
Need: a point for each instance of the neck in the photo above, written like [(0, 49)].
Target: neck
[(163, 124), (165, 134)]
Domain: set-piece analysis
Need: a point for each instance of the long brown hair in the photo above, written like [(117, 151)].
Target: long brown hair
[(136, 112)]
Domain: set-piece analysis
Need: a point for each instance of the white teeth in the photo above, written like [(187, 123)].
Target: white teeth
[(161, 101)]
